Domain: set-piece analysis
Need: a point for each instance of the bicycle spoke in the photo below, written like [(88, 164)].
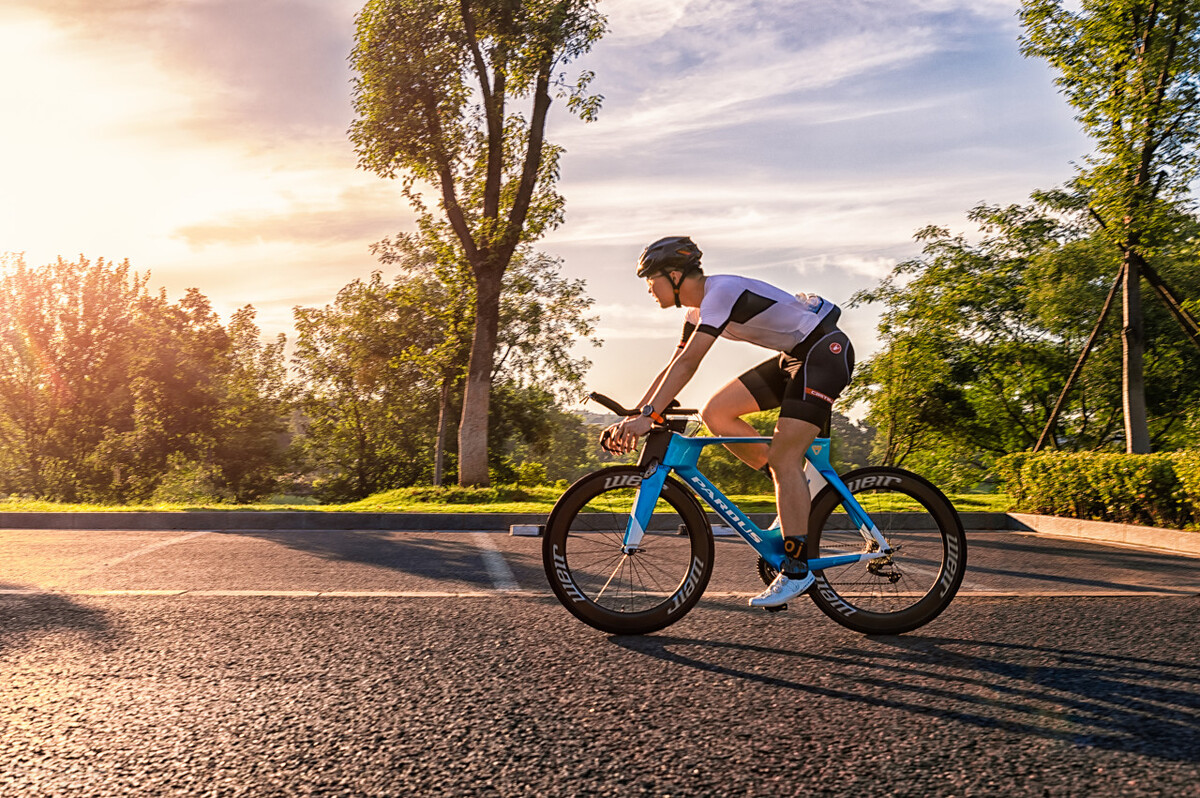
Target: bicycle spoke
[(598, 579), (900, 591)]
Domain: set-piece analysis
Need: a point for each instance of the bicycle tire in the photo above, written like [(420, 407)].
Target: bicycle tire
[(912, 586), (615, 592)]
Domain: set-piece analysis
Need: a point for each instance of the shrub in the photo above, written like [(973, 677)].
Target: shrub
[(188, 481), (1187, 470), (1139, 488), (530, 473)]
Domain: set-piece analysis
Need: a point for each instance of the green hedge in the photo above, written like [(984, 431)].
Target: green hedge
[(1152, 489)]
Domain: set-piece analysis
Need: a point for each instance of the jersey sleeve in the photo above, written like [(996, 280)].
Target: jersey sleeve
[(713, 313), (690, 322)]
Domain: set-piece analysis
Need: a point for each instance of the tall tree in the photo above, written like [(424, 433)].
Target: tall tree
[(1131, 68), (543, 316), (435, 82), (376, 361)]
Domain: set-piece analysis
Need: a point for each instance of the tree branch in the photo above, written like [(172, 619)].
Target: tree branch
[(454, 211), (533, 158), (493, 106)]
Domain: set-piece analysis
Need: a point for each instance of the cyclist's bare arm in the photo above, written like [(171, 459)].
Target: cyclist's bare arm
[(622, 437), (680, 370), (658, 380)]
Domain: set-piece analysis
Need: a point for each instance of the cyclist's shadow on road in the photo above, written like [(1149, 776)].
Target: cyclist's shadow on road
[(24, 617), (1111, 702)]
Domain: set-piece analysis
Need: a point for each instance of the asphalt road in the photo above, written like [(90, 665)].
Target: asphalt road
[(324, 663)]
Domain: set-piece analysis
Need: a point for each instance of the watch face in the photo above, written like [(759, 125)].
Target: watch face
[(648, 410)]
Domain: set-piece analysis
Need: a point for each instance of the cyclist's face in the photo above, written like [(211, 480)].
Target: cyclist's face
[(659, 287)]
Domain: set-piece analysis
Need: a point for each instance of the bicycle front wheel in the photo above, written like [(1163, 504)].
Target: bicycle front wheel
[(615, 590), (911, 586)]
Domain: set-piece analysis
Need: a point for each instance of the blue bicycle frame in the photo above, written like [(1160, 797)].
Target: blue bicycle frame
[(681, 456)]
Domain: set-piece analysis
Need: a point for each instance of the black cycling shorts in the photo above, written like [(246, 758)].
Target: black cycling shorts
[(804, 389)]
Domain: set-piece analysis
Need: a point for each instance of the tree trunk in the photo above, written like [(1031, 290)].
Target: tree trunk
[(439, 449), (473, 428), (1137, 434)]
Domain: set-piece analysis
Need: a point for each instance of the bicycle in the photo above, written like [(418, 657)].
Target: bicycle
[(629, 549)]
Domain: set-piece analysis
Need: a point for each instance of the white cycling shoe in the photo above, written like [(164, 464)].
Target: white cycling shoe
[(782, 590)]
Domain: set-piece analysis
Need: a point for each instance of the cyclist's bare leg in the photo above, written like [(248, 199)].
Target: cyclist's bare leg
[(723, 417), (786, 456)]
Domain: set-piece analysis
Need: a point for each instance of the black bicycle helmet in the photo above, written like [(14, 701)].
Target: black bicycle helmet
[(674, 253), (671, 254)]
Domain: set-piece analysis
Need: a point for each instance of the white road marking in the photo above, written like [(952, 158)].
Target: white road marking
[(493, 561), (443, 594), (413, 594)]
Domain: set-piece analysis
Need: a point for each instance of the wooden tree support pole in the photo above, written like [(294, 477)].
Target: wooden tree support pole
[(1087, 348), (1191, 328), (1189, 324)]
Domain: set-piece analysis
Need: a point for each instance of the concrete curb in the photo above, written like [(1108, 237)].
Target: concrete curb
[(1102, 532), (269, 519), (1187, 543), (315, 520)]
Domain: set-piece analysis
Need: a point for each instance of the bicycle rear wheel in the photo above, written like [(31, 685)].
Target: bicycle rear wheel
[(910, 587), (617, 591)]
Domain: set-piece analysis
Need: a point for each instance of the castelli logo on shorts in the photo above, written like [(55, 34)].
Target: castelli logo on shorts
[(836, 348), (817, 394)]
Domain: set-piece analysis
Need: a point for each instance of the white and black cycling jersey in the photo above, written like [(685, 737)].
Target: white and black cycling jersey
[(745, 309)]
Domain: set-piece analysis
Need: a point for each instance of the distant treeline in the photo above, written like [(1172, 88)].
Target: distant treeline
[(110, 392)]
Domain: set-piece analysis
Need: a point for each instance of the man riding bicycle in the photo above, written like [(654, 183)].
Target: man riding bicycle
[(814, 362)]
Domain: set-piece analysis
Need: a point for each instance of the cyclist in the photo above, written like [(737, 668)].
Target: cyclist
[(812, 366)]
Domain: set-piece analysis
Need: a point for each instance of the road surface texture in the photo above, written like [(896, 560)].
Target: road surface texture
[(389, 663)]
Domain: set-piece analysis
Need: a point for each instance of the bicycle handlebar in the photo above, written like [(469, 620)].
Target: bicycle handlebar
[(673, 409)]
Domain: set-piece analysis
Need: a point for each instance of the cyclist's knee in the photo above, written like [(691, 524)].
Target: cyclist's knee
[(790, 444), (785, 459), (717, 416)]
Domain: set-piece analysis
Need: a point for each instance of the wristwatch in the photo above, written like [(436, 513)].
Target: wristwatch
[(648, 411)]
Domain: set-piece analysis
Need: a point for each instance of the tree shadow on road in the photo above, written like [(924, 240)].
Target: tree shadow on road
[(25, 616), (427, 555), (1120, 703)]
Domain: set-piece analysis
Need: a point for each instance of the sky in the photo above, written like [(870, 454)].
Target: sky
[(803, 142)]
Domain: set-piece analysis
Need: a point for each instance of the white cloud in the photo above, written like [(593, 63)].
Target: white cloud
[(803, 141), (755, 85)]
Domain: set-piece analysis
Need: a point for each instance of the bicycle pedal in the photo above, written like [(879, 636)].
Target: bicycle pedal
[(779, 608)]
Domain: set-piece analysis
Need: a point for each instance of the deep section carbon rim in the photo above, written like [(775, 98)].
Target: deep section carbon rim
[(912, 586), (618, 591)]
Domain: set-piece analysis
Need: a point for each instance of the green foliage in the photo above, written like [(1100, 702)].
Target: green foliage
[(368, 397), (543, 316), (1187, 471), (530, 473), (435, 86), (188, 481), (979, 334), (1157, 489), (435, 83), (382, 369), (103, 385), (1131, 68), (851, 443), (452, 494)]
